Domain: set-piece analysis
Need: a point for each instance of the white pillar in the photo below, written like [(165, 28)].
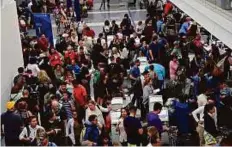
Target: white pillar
[(11, 49)]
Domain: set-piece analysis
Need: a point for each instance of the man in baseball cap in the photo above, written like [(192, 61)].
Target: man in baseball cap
[(10, 106), (11, 124)]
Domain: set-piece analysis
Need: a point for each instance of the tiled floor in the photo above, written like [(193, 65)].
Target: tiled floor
[(116, 12)]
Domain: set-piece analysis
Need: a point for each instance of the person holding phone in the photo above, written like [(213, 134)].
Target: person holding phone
[(28, 134)]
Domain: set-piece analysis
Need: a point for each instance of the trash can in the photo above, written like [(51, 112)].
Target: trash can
[(224, 4)]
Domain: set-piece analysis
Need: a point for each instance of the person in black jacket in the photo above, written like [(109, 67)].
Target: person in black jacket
[(210, 124), (97, 55), (114, 27), (11, 125), (224, 112)]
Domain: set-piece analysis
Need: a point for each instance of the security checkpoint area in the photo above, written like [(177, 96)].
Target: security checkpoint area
[(116, 73)]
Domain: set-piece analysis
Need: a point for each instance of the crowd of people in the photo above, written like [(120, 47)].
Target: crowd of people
[(62, 95)]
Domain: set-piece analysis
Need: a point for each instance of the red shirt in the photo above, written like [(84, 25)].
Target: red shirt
[(43, 43), (72, 55), (55, 59), (90, 33), (168, 8), (79, 94)]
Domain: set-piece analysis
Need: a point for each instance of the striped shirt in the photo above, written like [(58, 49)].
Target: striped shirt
[(67, 107)]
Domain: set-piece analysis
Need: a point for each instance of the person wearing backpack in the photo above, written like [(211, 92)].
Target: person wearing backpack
[(28, 134), (92, 135)]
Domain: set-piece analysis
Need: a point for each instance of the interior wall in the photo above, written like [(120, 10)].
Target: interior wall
[(11, 50)]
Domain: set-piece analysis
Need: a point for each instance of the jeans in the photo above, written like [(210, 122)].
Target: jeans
[(144, 110), (103, 3), (160, 84), (137, 99)]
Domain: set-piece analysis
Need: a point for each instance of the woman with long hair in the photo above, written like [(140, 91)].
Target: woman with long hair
[(74, 128), (43, 88), (147, 91), (43, 77), (59, 72), (17, 89), (153, 136), (102, 89), (120, 127)]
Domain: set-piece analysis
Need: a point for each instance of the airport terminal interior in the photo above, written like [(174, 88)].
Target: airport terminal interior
[(116, 73)]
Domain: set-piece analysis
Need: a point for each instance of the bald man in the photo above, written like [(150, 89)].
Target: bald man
[(61, 117)]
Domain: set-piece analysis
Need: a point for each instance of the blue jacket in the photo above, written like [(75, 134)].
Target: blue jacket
[(92, 133), (181, 115), (75, 68)]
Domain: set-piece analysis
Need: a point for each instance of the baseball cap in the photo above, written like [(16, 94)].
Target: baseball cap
[(10, 105)]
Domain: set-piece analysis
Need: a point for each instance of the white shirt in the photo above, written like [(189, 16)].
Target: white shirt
[(96, 112), (199, 110), (34, 68), (33, 132), (120, 36), (137, 41), (80, 26), (124, 53), (122, 132), (103, 41), (29, 6), (139, 29), (107, 29)]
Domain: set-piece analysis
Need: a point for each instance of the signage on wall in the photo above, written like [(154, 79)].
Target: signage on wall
[(42, 23)]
